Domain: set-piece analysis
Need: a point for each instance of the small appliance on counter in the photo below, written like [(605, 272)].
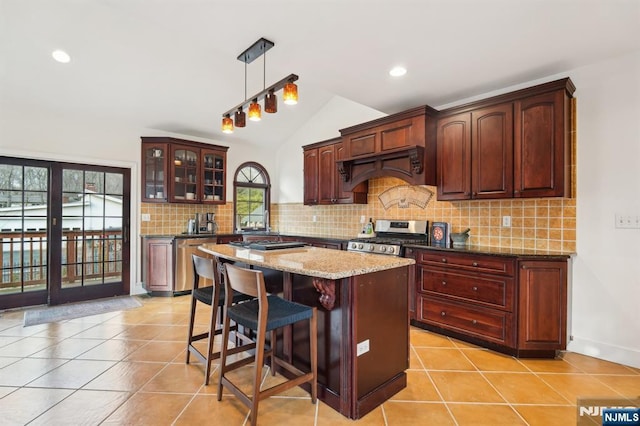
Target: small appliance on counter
[(205, 223)]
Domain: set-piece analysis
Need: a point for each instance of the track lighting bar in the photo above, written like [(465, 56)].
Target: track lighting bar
[(275, 87)]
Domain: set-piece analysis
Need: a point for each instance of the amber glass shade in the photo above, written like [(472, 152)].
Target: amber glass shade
[(270, 102), (240, 118), (254, 111), (227, 124), (290, 94)]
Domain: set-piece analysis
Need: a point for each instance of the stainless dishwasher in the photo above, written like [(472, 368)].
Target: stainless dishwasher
[(184, 248)]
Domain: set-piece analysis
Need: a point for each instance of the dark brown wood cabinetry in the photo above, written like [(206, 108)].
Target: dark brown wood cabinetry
[(322, 182), (158, 264), (400, 145), (517, 306), (509, 146), (181, 171), (542, 145)]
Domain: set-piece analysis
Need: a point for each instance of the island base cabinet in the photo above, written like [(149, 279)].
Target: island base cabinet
[(363, 337), (542, 309)]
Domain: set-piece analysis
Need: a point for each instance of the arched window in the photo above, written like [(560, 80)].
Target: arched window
[(251, 196)]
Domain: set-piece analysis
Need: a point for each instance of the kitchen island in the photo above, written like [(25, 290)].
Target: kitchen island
[(363, 319)]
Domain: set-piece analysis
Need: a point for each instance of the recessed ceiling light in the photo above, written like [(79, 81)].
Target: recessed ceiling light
[(61, 56), (397, 71)]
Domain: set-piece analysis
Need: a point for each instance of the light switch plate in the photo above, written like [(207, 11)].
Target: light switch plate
[(146, 217), (506, 221)]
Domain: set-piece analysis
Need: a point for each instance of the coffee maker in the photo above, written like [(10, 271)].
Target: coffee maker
[(205, 223)]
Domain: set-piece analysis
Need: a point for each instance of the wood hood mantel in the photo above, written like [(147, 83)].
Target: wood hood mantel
[(406, 163), (401, 145)]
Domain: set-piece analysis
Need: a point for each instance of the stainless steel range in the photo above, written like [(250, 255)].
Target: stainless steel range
[(391, 236)]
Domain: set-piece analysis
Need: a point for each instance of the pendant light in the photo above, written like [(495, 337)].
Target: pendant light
[(271, 102), (290, 91), (227, 124), (254, 111), (240, 118)]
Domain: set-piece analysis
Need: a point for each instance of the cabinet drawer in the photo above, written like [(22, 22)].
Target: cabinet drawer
[(470, 262), (484, 323), (494, 291)]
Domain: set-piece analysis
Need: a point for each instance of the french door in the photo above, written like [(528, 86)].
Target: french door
[(64, 232)]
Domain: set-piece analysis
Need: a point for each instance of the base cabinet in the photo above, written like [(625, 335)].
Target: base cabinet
[(157, 261), (510, 304)]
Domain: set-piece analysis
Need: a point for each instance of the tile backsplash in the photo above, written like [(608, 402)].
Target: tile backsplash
[(546, 223)]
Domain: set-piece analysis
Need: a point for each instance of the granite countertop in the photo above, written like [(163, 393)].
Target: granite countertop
[(496, 251), (310, 261)]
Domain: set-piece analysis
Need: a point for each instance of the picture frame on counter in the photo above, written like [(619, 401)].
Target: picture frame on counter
[(439, 234)]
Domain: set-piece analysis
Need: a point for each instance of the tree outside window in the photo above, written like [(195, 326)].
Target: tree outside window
[(252, 194)]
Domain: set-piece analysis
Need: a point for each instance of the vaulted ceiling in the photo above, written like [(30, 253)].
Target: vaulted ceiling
[(170, 65)]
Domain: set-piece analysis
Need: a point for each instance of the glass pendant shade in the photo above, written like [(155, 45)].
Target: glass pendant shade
[(290, 94), (254, 111), (227, 124), (240, 118), (271, 102)]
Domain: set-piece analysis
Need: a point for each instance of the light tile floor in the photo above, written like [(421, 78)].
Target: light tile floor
[(127, 368)]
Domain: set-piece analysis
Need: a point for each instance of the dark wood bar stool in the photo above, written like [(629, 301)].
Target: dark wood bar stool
[(265, 313), (208, 271)]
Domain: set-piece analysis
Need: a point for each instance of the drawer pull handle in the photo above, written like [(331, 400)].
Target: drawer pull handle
[(475, 264), (475, 288), (474, 322), (444, 260), (443, 313), (444, 283)]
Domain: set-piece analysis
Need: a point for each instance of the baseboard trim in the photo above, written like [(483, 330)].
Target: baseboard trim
[(605, 351)]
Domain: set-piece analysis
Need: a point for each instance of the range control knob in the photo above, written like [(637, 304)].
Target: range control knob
[(383, 249), (360, 246), (391, 250), (353, 245), (370, 247)]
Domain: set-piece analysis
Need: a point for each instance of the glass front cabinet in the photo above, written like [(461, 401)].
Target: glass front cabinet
[(181, 171)]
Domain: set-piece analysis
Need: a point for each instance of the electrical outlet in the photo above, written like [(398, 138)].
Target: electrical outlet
[(314, 218), (362, 348), (146, 217), (362, 219), (506, 221)]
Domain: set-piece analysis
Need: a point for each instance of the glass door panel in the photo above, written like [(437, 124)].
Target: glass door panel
[(24, 213), (92, 223)]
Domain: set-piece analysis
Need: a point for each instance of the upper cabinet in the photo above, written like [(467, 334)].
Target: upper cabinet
[(400, 145), (181, 171), (322, 182), (509, 146)]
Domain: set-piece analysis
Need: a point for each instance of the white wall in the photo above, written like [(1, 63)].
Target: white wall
[(606, 272)]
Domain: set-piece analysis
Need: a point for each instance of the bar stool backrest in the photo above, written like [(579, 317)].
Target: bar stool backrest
[(246, 281)]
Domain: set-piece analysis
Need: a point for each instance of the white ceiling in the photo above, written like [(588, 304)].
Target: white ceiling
[(170, 65)]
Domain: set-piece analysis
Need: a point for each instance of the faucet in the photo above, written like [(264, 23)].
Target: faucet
[(266, 221)]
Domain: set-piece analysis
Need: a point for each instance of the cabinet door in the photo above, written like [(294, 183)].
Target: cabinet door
[(154, 172), (185, 174), (454, 157), (213, 184), (542, 306), (311, 176), (158, 259), (541, 146), (327, 175), (492, 152)]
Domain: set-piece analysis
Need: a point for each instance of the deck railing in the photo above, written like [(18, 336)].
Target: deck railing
[(86, 256)]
